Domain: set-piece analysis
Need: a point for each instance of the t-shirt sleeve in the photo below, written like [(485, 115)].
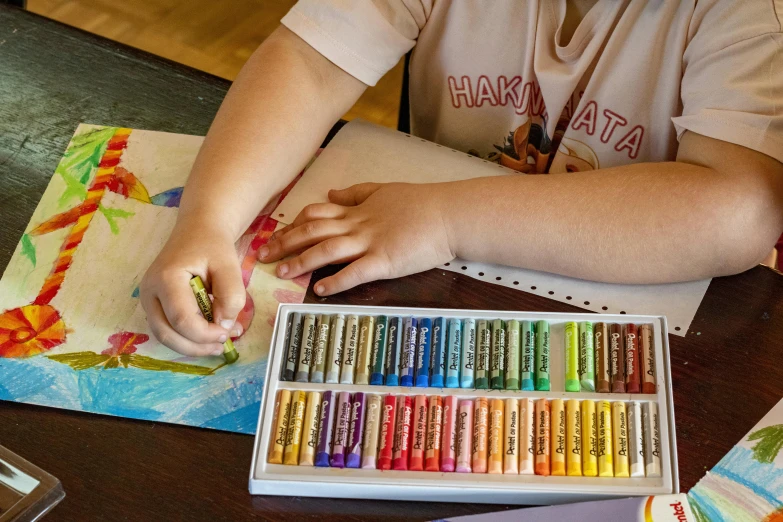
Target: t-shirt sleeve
[(732, 86), (365, 38)]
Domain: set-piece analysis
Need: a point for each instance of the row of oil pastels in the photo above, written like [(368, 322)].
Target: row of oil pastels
[(466, 435), (466, 353)]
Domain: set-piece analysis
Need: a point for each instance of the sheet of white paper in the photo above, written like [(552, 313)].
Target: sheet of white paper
[(363, 152), (678, 301)]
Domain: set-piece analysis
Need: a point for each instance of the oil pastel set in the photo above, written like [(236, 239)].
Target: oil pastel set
[(465, 405)]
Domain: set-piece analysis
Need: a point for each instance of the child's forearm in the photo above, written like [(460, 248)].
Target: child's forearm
[(643, 223), (274, 117)]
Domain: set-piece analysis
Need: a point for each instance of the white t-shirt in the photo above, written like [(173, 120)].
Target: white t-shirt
[(492, 77)]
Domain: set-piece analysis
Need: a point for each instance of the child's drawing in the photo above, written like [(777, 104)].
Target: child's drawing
[(747, 484), (72, 331)]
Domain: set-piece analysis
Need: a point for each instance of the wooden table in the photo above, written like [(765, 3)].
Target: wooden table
[(727, 372)]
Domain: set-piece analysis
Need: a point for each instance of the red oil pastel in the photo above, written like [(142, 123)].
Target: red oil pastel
[(402, 435), (387, 432)]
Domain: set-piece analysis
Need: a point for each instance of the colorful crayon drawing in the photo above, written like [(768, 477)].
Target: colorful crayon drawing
[(747, 484), (72, 331)]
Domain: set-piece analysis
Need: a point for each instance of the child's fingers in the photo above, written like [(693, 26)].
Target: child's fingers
[(301, 237), (309, 213), (279, 233), (182, 312), (319, 211), (353, 195), (331, 251), (228, 290), (167, 336), (363, 270)]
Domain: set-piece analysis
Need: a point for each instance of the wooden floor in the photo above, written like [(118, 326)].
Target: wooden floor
[(214, 36)]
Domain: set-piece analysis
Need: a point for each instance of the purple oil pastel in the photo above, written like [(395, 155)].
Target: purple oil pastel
[(342, 427), (354, 450), (325, 429)]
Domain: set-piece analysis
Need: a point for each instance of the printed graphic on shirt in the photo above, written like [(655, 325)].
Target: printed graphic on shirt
[(528, 148), (574, 156)]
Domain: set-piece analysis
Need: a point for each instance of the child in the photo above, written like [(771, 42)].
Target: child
[(665, 118)]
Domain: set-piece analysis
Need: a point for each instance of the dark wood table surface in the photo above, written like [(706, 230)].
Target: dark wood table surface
[(727, 371)]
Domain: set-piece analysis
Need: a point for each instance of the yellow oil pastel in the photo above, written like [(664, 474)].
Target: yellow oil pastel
[(605, 457), (558, 437), (293, 437), (589, 439), (310, 429), (573, 439), (280, 422)]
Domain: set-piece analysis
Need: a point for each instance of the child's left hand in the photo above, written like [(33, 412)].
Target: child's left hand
[(385, 230)]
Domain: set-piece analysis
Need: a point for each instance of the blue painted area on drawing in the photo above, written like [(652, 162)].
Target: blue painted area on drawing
[(756, 488), (16, 381), (228, 400), (740, 466), (704, 504), (718, 498), (131, 392), (170, 198), (37, 381), (240, 388), (738, 488), (243, 420), (135, 292)]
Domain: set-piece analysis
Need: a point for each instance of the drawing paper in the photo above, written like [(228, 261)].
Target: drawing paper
[(73, 333), (747, 484)]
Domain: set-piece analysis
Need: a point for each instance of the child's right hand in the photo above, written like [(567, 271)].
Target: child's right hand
[(247, 157), (172, 312)]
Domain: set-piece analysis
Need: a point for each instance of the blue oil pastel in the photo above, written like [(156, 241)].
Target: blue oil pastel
[(454, 349), (438, 361), (409, 330), (423, 353)]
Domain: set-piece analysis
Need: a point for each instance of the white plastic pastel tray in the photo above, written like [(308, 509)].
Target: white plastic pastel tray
[(278, 479)]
